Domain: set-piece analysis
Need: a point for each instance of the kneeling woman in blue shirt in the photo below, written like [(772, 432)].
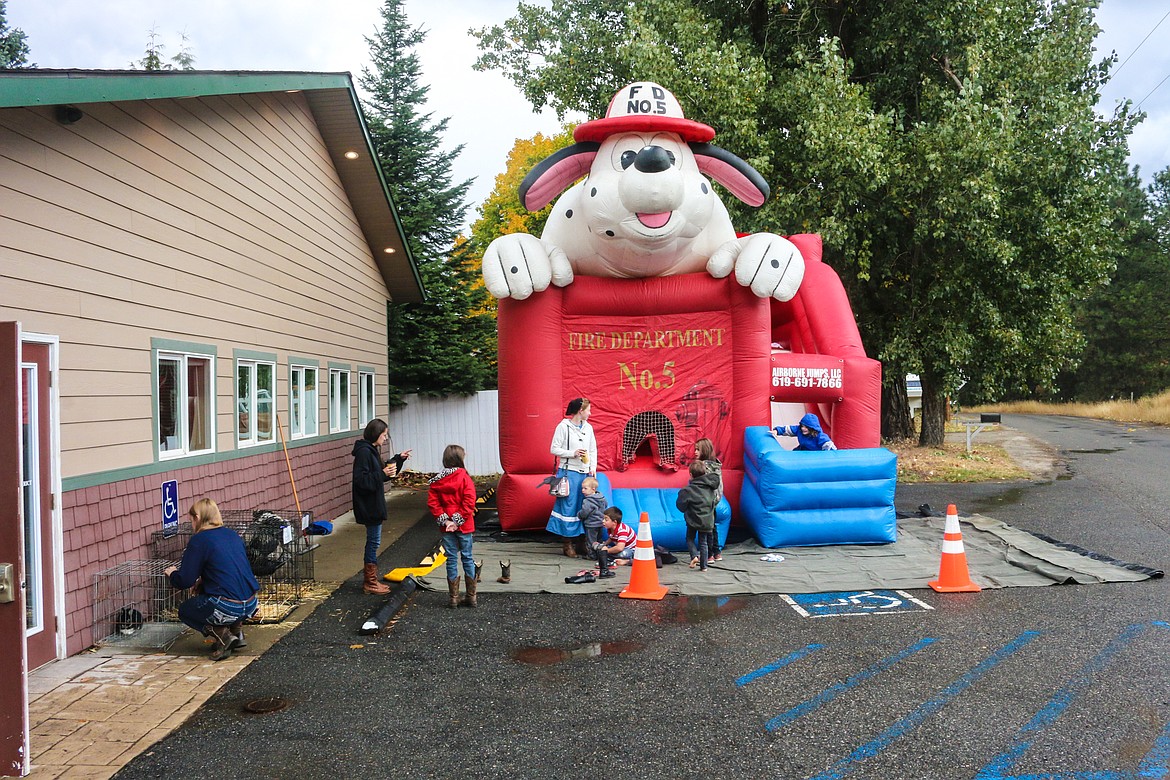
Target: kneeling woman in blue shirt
[(216, 561)]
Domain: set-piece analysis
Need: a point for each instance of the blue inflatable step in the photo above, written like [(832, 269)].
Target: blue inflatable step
[(797, 499), (667, 526)]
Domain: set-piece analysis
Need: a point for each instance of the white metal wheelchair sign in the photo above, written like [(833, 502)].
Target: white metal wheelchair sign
[(846, 603)]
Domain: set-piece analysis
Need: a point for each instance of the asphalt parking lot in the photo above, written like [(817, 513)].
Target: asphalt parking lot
[(1051, 682)]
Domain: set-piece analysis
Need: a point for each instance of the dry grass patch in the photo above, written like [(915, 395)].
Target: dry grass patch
[(951, 463), (1153, 409)]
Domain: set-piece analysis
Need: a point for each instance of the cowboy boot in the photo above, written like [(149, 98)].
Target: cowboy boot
[(472, 586), (478, 571), (505, 572), (453, 593), (567, 548), (370, 584)]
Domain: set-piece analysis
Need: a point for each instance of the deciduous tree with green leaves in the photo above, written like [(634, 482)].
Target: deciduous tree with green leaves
[(502, 213), (949, 153), (13, 43), (446, 344)]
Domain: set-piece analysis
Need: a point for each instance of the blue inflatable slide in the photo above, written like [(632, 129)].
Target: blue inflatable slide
[(801, 499)]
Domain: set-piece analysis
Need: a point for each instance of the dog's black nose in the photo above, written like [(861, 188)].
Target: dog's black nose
[(653, 159)]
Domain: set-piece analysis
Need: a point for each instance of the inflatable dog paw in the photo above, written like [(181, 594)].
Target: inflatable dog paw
[(517, 265), (767, 263)]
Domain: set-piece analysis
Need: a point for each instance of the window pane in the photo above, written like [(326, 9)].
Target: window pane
[(365, 398), (312, 404), (295, 381), (343, 401), (244, 413), (169, 437), (265, 393), (30, 486), (199, 403)]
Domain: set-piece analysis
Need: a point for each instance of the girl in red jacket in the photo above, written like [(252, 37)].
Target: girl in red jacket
[(451, 499)]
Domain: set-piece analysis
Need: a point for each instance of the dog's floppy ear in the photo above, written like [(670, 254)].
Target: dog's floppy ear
[(555, 173), (744, 181)]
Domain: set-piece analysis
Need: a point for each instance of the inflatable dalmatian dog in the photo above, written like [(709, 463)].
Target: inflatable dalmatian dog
[(645, 207)]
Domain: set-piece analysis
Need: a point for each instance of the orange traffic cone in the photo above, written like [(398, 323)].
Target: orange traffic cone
[(952, 570), (644, 574)]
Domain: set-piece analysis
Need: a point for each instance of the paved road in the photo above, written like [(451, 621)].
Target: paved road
[(1056, 682)]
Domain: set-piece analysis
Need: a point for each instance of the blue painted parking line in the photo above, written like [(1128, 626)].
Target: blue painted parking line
[(848, 603), (1155, 763), (780, 664), (916, 718), (835, 690)]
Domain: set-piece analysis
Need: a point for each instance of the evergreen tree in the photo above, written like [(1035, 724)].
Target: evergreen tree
[(13, 44), (152, 58), (448, 343), (1127, 349)]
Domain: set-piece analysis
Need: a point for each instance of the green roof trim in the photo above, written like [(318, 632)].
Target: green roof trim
[(57, 87)]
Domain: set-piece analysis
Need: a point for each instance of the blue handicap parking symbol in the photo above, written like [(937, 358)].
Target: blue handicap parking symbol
[(863, 602)]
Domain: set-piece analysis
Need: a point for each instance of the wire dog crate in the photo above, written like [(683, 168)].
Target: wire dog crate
[(280, 553), (134, 605)]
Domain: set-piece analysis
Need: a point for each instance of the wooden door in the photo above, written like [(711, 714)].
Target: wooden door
[(37, 498), (13, 669)]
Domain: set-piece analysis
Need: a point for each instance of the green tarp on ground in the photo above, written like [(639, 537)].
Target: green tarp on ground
[(998, 556)]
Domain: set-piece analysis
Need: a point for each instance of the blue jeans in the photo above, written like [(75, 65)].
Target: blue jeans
[(458, 546), (201, 611), (373, 542)]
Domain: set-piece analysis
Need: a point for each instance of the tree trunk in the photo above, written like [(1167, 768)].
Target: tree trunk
[(896, 420), (934, 414)]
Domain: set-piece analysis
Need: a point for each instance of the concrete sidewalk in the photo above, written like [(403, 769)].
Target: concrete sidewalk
[(92, 713)]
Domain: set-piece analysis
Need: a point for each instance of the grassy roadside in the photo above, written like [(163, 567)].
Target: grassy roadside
[(952, 463), (990, 463)]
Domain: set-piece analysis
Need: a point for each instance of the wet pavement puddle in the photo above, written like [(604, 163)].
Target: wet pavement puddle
[(547, 656)]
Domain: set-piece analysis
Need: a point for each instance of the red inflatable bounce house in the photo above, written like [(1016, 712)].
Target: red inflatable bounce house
[(641, 296), (666, 361)]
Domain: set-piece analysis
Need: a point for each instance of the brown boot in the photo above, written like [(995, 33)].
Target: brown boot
[(225, 642), (567, 548), (472, 586), (371, 585), (453, 592)]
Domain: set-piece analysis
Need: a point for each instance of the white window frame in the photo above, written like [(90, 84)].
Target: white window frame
[(298, 419), (366, 405), (252, 402), (340, 399), (183, 448)]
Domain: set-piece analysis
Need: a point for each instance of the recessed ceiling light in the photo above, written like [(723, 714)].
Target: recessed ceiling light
[(389, 250), (351, 155)]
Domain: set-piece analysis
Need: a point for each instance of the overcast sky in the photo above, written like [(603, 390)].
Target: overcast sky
[(487, 113)]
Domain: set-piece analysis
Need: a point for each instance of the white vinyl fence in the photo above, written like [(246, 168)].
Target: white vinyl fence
[(427, 425)]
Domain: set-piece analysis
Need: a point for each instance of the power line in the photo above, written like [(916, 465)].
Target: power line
[(1130, 57), (1152, 91)]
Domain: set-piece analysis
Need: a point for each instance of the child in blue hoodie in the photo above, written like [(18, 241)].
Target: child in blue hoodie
[(808, 433)]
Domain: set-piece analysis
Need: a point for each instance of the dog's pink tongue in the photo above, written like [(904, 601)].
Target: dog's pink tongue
[(654, 220)]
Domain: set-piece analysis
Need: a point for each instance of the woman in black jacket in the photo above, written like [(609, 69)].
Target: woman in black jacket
[(370, 473)]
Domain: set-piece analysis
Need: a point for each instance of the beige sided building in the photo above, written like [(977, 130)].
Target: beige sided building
[(194, 268)]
